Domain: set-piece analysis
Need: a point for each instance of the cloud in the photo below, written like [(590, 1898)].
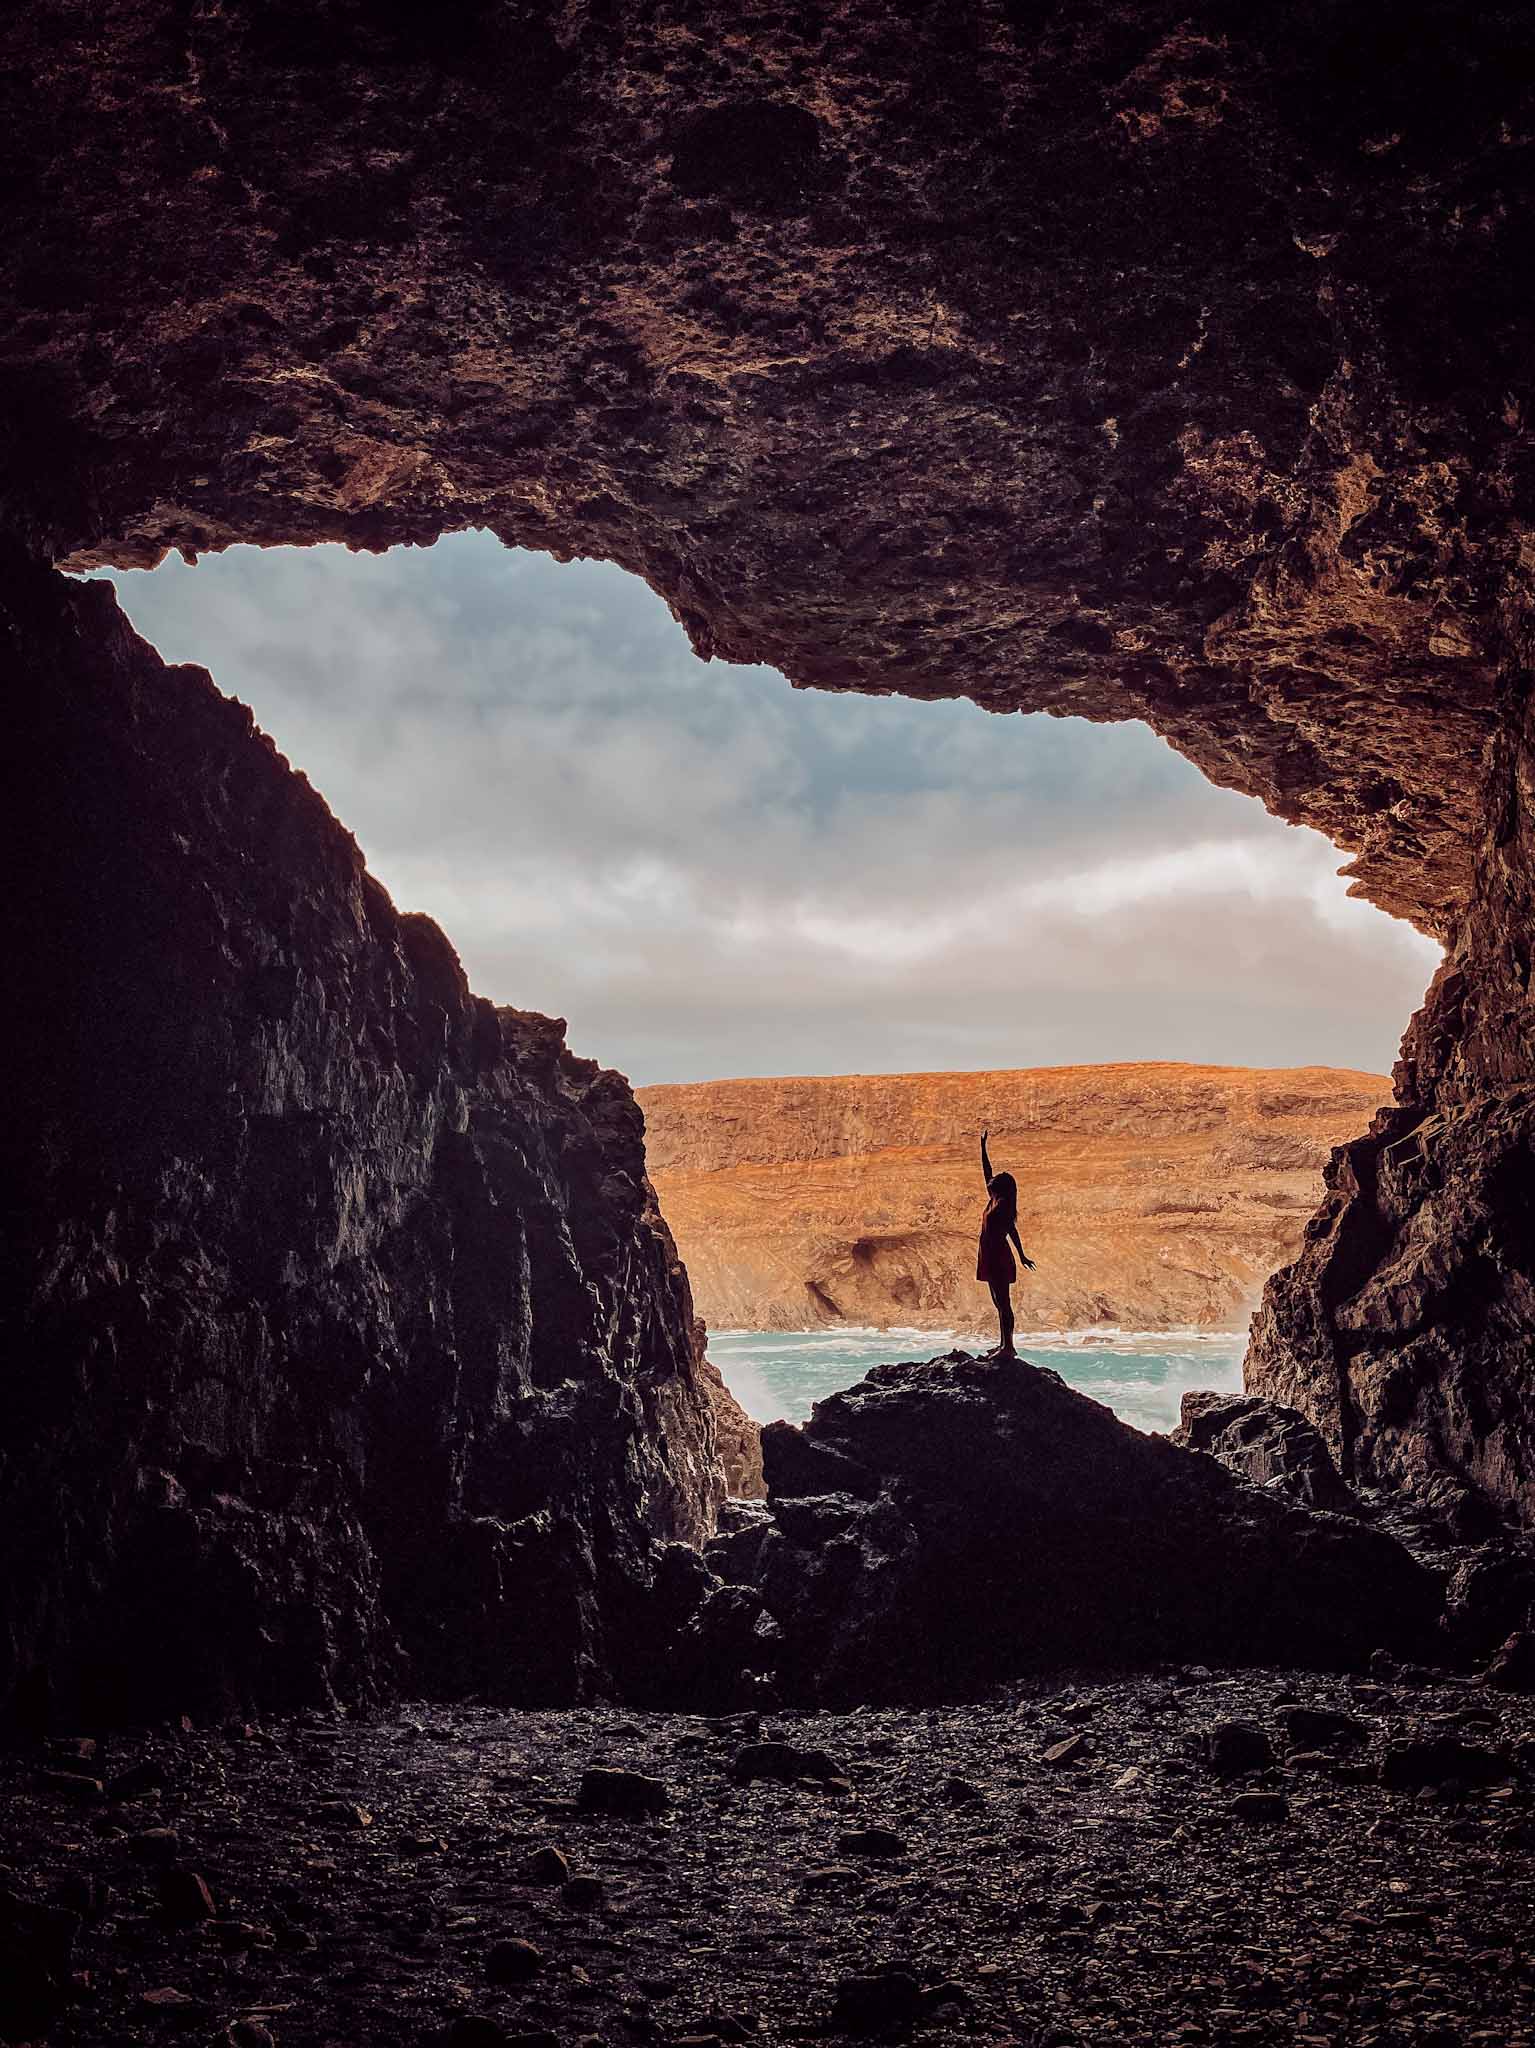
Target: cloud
[(709, 872)]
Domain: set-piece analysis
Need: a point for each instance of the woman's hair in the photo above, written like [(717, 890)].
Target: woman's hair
[(1004, 1194)]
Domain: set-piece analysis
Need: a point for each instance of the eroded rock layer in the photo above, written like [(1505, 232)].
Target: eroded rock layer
[(343, 1335), (1151, 1195)]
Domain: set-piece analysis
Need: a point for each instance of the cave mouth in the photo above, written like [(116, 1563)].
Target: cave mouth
[(710, 874)]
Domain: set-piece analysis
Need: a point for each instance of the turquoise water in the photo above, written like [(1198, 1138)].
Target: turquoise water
[(777, 1374)]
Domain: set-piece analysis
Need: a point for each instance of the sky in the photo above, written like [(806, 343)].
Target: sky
[(712, 874)]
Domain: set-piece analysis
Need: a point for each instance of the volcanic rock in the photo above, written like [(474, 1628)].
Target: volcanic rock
[(351, 1325), (1007, 1523), (617, 1791), (1318, 1728), (1236, 1747), (1436, 1759), (1272, 1446)]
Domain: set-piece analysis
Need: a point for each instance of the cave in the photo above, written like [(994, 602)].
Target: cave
[(1107, 360)]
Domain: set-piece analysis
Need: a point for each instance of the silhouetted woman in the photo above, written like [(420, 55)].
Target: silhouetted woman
[(994, 1262)]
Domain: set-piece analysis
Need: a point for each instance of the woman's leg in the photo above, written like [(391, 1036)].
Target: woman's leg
[(1002, 1296)]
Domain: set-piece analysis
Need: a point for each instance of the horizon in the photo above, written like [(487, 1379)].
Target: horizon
[(1050, 1067)]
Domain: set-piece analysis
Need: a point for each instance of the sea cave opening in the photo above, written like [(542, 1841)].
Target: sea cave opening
[(828, 937)]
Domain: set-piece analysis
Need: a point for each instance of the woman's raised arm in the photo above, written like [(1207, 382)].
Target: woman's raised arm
[(985, 1160)]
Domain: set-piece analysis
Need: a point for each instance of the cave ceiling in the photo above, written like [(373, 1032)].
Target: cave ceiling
[(1111, 360)]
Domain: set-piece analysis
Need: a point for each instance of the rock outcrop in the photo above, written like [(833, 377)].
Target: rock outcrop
[(1109, 360), (737, 1437), (343, 1338), (945, 1524), (1152, 1195), (1271, 1446)]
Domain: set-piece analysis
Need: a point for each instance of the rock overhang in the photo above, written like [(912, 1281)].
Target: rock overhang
[(1102, 361)]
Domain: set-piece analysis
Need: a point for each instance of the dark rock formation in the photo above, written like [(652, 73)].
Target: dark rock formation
[(737, 1438), (1269, 1445), (340, 1323), (1106, 358), (945, 1524)]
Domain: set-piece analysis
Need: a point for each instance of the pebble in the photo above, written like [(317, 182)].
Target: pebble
[(873, 2005), (1236, 1747), (513, 1961), (155, 1845), (341, 1813), (583, 1894), (625, 1792), (74, 1786), (783, 1762), (1060, 1754), (544, 1866), (185, 1897), (1260, 1806), (872, 1842)]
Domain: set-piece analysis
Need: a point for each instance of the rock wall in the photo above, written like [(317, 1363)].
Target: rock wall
[(1152, 1195), (1112, 359), (344, 1341), (1404, 1330)]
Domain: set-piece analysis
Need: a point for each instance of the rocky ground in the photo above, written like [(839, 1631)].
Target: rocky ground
[(1175, 1857)]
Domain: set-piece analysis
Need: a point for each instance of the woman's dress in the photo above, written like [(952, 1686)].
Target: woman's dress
[(994, 1260)]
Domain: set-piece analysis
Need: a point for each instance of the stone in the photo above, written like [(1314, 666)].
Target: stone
[(996, 1483), (872, 1842), (1269, 1445), (167, 2002), (783, 1762), (1235, 1747), (739, 1438), (583, 1894), (474, 2030), (1513, 1668), (249, 2034), (185, 1897), (73, 1786), (155, 1845), (136, 1780), (1073, 1750), (343, 1813), (513, 1961), (621, 1792), (875, 2004), (1427, 1760), (547, 1865), (1260, 1806), (1322, 1727)]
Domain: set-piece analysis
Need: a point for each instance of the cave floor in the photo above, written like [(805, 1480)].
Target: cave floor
[(1033, 1902)]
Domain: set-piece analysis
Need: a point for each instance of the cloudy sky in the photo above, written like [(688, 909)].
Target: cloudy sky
[(710, 873)]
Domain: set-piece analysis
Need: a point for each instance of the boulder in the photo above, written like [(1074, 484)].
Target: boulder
[(1269, 1445), (1005, 1523)]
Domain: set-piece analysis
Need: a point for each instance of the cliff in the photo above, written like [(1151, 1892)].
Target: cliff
[(345, 1344), (1151, 1195)]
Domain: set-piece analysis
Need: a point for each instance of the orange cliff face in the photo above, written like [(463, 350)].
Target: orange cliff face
[(1151, 1196)]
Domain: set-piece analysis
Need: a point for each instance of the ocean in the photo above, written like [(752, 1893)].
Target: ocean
[(1142, 1375)]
